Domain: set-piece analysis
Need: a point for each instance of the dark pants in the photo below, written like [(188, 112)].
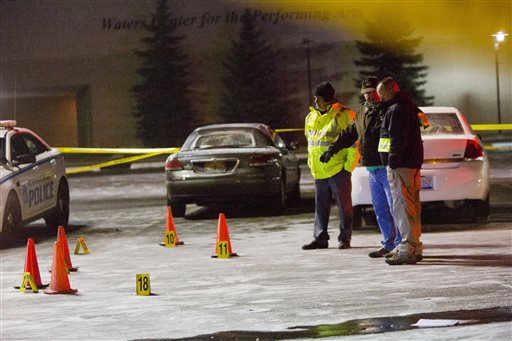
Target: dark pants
[(338, 187)]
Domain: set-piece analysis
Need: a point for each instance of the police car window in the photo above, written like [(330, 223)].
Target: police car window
[(2, 151), (18, 146), (34, 145)]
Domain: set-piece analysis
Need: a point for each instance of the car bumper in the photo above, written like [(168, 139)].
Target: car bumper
[(225, 188), (468, 181)]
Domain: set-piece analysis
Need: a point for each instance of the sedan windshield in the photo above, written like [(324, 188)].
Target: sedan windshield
[(224, 140), (443, 124)]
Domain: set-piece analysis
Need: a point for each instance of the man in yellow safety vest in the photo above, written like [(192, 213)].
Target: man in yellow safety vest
[(323, 125)]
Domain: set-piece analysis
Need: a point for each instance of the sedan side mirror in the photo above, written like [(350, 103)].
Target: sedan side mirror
[(24, 159)]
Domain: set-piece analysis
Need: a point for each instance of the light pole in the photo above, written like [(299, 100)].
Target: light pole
[(307, 44), (499, 38)]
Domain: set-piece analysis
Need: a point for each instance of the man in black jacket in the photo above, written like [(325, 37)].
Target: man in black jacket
[(366, 130), (401, 150)]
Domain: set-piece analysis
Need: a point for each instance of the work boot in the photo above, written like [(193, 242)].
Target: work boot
[(391, 253), (382, 252), (344, 245), (316, 244), (418, 256), (399, 259)]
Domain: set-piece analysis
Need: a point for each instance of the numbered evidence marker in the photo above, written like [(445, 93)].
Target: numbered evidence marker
[(222, 249), (81, 243), (28, 279), (170, 239), (143, 285)]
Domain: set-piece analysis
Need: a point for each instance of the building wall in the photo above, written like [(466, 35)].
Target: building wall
[(33, 112)]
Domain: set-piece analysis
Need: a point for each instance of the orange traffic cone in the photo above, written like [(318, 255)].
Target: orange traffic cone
[(223, 237), (32, 266), (169, 227), (59, 283), (61, 237)]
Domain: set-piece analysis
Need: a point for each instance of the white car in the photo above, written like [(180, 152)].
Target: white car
[(455, 169), (33, 181)]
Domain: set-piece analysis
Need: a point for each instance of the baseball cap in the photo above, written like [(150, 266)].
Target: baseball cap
[(369, 84)]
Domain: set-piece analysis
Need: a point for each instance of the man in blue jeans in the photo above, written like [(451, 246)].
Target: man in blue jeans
[(366, 130)]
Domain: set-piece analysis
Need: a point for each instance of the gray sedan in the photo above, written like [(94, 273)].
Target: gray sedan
[(232, 163)]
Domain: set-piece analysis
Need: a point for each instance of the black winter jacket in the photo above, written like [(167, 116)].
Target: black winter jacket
[(366, 130), (400, 124)]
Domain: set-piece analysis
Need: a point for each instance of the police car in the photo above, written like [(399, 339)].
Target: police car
[(33, 181)]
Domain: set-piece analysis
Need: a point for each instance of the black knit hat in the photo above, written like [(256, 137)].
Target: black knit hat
[(369, 84), (326, 91)]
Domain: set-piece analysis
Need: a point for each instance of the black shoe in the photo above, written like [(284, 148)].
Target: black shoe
[(379, 253), (316, 244), (344, 245)]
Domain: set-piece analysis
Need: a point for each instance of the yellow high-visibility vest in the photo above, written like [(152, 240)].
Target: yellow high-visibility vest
[(321, 131)]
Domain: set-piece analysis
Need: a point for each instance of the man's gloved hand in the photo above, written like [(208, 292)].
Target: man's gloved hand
[(326, 156)]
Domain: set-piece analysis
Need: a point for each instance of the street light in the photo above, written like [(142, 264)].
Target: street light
[(307, 44), (499, 38)]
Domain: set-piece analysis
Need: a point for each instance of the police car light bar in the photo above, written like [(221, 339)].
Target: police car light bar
[(9, 124)]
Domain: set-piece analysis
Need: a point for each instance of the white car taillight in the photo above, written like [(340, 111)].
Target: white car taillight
[(473, 150), (173, 165)]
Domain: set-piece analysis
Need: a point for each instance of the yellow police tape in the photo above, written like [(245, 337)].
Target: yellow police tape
[(150, 152), (474, 126), (491, 126), (288, 130), (115, 150), (155, 152)]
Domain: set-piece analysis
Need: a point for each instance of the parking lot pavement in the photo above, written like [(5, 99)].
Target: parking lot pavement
[(271, 287)]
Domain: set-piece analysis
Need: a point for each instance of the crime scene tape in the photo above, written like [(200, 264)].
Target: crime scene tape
[(491, 126), (289, 130), (115, 150), (146, 153), (475, 127), (498, 146)]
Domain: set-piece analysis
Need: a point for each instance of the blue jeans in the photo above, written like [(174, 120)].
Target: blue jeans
[(338, 187), (382, 204)]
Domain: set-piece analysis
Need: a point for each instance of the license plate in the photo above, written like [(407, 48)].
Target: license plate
[(215, 166), (427, 183)]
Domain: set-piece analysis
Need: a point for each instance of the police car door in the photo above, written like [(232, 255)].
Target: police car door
[(36, 180)]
